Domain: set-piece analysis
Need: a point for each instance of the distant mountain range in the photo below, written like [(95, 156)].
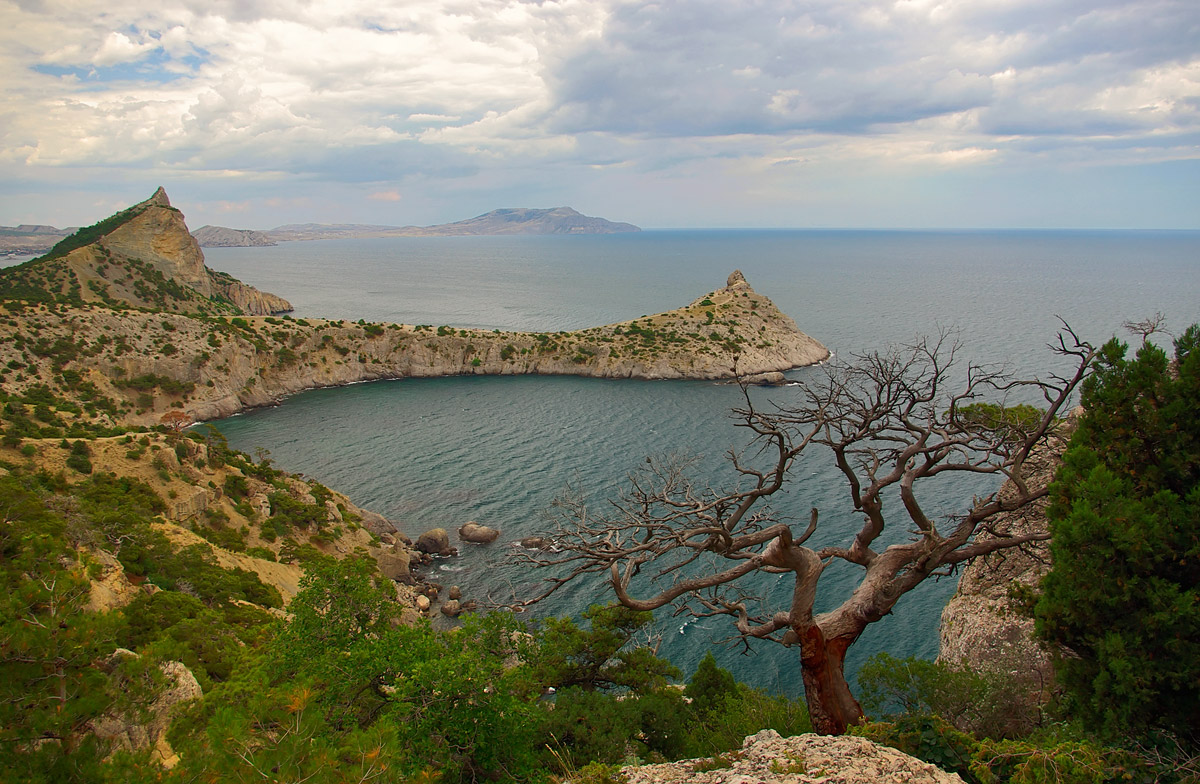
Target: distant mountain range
[(513, 220), (31, 239), (27, 238)]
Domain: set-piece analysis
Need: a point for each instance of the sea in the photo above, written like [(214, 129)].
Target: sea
[(430, 453)]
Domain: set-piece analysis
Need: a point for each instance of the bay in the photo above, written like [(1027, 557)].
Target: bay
[(438, 452)]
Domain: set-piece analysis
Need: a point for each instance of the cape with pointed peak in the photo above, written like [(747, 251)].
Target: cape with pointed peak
[(142, 257)]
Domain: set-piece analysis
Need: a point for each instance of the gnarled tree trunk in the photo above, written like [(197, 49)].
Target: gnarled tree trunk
[(831, 706)]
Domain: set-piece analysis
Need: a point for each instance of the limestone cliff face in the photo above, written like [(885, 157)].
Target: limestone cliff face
[(248, 299), (158, 235), (979, 626)]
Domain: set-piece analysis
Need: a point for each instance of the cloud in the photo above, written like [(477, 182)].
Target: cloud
[(460, 94), (385, 196)]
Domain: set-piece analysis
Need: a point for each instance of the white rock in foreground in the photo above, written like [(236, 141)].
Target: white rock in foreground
[(766, 758)]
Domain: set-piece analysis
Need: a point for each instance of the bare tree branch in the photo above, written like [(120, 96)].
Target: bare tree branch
[(890, 419)]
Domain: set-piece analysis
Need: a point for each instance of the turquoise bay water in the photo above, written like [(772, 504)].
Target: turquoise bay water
[(438, 452)]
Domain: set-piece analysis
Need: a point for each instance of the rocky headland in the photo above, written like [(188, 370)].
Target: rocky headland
[(122, 325), (138, 302)]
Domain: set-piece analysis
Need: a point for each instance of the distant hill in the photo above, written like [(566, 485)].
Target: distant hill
[(522, 220), (28, 238), (221, 237), (513, 220)]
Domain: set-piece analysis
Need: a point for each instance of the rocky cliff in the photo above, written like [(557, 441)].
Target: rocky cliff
[(981, 628)]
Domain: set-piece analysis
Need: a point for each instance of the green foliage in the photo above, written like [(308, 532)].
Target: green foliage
[(994, 705), (709, 685), (927, 738), (294, 513), (50, 686), (1012, 424), (1124, 593), (722, 727), (447, 696), (150, 381), (79, 457), (599, 657), (89, 234), (1056, 761)]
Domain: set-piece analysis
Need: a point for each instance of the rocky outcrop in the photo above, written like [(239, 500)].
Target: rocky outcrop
[(434, 542), (767, 758), (109, 588), (221, 237), (159, 236), (248, 299), (135, 730)]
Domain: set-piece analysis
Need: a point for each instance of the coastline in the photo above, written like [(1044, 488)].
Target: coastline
[(163, 364)]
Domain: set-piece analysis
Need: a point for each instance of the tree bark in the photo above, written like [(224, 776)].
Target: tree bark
[(831, 706)]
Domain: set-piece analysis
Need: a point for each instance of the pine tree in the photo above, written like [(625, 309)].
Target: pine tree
[(1124, 594)]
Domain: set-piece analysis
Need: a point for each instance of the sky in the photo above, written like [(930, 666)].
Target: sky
[(684, 113)]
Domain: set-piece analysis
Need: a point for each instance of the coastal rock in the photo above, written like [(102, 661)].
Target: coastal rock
[(454, 592), (767, 758), (452, 608), (394, 564), (434, 542), (478, 534), (774, 379), (150, 262), (535, 543), (380, 525), (423, 603)]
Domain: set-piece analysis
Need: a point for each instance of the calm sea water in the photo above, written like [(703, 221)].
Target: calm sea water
[(438, 452)]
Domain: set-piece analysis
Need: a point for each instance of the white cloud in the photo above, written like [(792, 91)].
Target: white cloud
[(483, 90)]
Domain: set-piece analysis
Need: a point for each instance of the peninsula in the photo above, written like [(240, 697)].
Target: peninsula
[(129, 307)]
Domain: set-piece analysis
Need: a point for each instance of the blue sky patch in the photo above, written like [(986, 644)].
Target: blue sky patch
[(156, 66)]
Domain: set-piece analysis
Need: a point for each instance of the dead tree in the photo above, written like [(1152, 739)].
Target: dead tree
[(890, 419)]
